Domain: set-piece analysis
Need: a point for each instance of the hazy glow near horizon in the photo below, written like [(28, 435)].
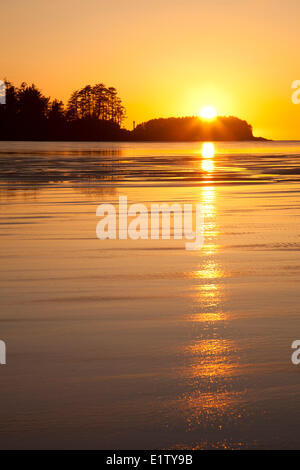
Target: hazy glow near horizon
[(158, 58)]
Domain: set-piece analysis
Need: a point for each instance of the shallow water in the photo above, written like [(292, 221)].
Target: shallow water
[(142, 344)]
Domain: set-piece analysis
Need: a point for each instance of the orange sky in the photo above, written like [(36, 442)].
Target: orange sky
[(165, 57)]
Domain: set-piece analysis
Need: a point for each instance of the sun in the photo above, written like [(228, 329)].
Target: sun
[(208, 112)]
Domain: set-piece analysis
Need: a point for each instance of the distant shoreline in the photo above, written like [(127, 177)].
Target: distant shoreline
[(96, 114), (255, 139)]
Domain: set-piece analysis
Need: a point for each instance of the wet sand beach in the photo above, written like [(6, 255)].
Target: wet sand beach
[(122, 344)]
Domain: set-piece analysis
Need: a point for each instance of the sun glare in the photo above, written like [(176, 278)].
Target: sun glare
[(208, 150), (207, 165), (208, 112)]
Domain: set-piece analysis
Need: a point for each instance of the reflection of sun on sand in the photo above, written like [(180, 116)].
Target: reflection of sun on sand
[(207, 202), (213, 360), (214, 354), (208, 293), (208, 150), (207, 165), (208, 197), (210, 271)]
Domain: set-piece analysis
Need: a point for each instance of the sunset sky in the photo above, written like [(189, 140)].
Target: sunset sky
[(165, 57)]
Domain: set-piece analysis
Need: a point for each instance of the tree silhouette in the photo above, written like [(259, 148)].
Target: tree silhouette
[(97, 102), (93, 113)]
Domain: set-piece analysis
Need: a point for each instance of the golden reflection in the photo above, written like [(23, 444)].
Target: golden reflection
[(214, 353), (213, 358), (210, 270), (208, 150), (207, 165), (207, 201), (213, 364), (208, 197), (212, 408), (209, 317)]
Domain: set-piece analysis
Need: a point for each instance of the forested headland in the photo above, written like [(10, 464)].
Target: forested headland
[(92, 113), (222, 128), (96, 113)]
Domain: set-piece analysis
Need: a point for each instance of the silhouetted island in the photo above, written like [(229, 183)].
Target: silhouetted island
[(194, 129), (96, 113)]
